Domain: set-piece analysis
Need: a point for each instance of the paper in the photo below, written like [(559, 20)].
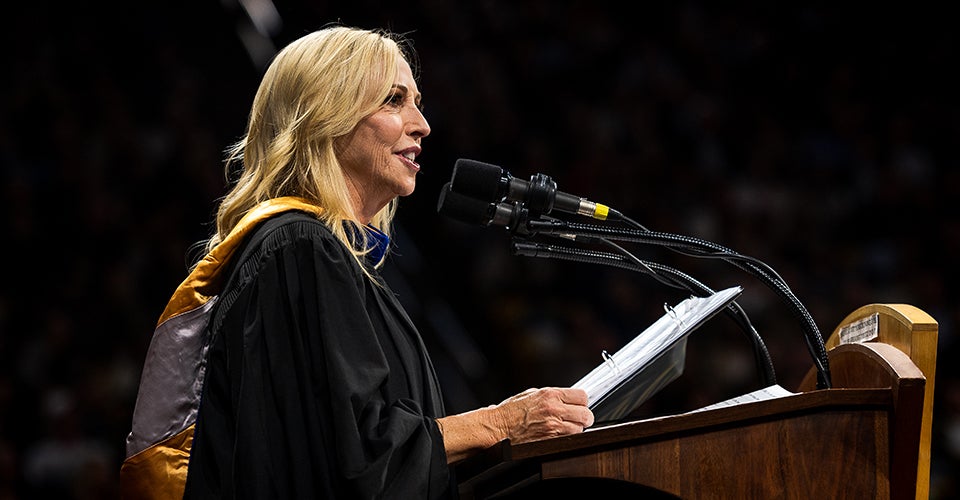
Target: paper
[(770, 392)]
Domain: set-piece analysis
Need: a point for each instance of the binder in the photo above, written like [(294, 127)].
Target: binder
[(626, 379)]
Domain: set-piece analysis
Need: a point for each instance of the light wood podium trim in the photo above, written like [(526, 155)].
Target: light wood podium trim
[(914, 332)]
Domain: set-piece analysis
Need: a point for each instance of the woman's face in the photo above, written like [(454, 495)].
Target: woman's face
[(378, 156)]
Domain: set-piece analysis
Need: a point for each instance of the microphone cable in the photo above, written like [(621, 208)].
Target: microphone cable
[(666, 275), (697, 247)]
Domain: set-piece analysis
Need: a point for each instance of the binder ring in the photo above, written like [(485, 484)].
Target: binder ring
[(673, 314), (607, 358)]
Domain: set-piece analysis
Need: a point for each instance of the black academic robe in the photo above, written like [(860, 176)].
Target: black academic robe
[(317, 383)]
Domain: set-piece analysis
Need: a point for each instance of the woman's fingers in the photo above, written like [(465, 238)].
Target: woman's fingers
[(547, 412)]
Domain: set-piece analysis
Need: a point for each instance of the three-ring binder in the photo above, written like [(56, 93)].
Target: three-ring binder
[(652, 359)]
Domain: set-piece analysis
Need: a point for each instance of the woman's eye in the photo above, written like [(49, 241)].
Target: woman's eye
[(395, 99)]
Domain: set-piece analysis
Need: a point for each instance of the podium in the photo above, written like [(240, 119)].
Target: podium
[(868, 436)]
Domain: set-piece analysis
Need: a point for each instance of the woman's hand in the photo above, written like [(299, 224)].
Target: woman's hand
[(532, 415), (543, 413)]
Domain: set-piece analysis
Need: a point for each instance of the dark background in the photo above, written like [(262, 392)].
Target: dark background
[(821, 140)]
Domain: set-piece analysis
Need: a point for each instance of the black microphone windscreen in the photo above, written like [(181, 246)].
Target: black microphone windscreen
[(463, 208), (477, 179)]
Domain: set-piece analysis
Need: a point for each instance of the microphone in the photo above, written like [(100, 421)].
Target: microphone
[(471, 210), (492, 183)]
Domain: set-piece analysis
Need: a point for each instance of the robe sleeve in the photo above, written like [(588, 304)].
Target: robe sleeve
[(319, 394)]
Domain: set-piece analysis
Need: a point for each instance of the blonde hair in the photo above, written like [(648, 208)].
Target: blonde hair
[(318, 88)]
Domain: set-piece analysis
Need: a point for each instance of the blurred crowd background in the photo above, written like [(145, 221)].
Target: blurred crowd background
[(821, 140)]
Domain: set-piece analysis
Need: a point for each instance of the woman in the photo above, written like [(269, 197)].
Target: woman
[(283, 366)]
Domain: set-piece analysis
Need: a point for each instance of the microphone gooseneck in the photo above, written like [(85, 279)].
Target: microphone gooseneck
[(487, 195), (701, 248), (662, 273)]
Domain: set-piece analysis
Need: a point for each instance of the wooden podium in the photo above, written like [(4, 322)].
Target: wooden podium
[(866, 437)]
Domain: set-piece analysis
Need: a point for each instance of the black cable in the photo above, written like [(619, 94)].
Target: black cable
[(665, 275), (702, 248)]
